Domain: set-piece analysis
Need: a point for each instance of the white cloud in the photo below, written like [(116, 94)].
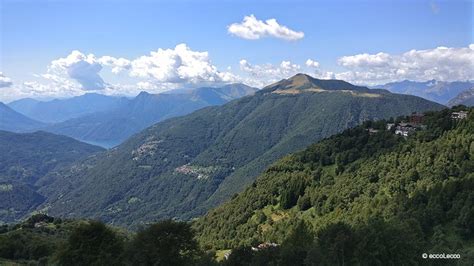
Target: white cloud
[(145, 85), (264, 74), (312, 63), (41, 88), (84, 69), (117, 64), (366, 60), (441, 63), (179, 65), (162, 70), (5, 81), (252, 29)]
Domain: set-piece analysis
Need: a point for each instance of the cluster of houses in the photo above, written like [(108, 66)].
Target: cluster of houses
[(259, 247), (459, 115), (406, 128), (415, 123)]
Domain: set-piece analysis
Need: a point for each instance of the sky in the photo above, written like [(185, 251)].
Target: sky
[(63, 48)]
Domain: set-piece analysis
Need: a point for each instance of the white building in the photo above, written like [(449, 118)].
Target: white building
[(404, 130), (459, 115)]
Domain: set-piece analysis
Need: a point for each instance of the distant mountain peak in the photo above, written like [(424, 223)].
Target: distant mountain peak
[(300, 80), (301, 83), (433, 90), (465, 98), (11, 120), (297, 82), (143, 94)]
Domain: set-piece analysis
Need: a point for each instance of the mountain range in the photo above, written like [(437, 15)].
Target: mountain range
[(433, 90), (184, 166), (465, 98), (108, 120), (59, 110), (112, 127), (11, 120)]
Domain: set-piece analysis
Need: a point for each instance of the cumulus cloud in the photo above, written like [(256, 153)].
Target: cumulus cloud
[(252, 29), (366, 60), (160, 70), (117, 64), (264, 74), (178, 65), (441, 63), (5, 81), (260, 75), (312, 63), (41, 88), (84, 69)]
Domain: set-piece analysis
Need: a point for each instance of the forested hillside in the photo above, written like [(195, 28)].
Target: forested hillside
[(183, 166), (366, 197), (25, 160)]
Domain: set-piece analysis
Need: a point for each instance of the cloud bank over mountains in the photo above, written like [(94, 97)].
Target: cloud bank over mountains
[(177, 67), (441, 63)]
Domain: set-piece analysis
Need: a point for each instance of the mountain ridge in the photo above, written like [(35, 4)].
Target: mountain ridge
[(437, 91), (114, 126), (183, 166), (465, 98), (11, 120), (59, 110)]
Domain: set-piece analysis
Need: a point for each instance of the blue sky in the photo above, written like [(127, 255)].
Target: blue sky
[(35, 33)]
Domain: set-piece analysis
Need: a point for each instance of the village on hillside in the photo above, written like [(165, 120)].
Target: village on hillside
[(414, 123)]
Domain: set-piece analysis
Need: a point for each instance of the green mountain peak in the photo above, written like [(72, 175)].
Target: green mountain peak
[(303, 83)]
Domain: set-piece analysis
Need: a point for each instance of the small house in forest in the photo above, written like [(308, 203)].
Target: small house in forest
[(459, 115), (404, 130)]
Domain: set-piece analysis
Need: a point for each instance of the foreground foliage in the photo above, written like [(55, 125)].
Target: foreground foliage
[(43, 240), (364, 196)]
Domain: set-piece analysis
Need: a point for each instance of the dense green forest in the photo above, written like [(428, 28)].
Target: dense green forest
[(361, 198), (44, 240)]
